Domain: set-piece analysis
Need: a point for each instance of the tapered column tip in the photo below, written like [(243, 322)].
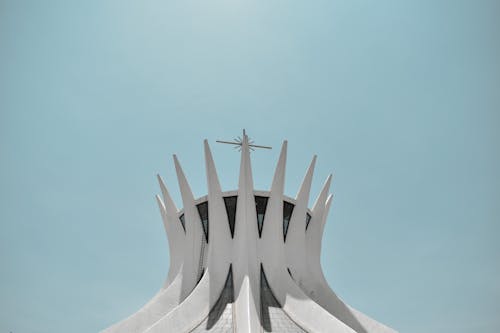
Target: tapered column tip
[(159, 201), (176, 162), (160, 180), (313, 162), (206, 146)]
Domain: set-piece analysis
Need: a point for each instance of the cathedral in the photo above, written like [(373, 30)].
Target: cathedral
[(246, 261)]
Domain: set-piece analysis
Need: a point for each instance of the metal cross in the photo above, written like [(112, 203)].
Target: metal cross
[(238, 142)]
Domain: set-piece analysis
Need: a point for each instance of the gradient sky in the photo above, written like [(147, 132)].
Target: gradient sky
[(400, 100)]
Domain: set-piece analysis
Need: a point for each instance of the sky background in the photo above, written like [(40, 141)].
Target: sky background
[(400, 100)]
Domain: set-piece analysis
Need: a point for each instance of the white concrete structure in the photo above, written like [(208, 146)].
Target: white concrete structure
[(246, 261)]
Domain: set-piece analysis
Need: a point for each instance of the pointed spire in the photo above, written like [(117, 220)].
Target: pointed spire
[(166, 222), (246, 178), (296, 252), (186, 193), (167, 199), (246, 216), (219, 246), (305, 187), (321, 199), (278, 184), (314, 233), (246, 269), (327, 209), (193, 262), (321, 226), (272, 230), (298, 221), (212, 178), (190, 211), (174, 252), (173, 229)]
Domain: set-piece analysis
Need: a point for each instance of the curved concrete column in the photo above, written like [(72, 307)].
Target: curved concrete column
[(194, 233), (246, 234), (173, 228), (296, 253), (271, 244)]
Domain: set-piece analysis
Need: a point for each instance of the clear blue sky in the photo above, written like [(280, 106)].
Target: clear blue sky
[(399, 99)]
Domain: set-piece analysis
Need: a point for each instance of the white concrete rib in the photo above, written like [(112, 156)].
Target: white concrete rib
[(272, 230), (194, 234), (219, 234), (314, 232), (174, 230), (296, 253), (246, 269)]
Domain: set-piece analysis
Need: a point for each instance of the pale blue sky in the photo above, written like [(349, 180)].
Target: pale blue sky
[(399, 99)]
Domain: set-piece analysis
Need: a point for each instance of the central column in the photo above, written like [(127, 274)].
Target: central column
[(246, 267)]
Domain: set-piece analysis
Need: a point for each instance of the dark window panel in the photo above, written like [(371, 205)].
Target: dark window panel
[(267, 300), (287, 215), (203, 211), (308, 219), (226, 297), (230, 203), (260, 206), (181, 218)]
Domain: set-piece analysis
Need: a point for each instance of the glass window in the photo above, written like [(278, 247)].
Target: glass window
[(203, 211), (181, 218), (308, 219), (230, 203), (267, 302), (260, 206), (287, 215), (219, 311)]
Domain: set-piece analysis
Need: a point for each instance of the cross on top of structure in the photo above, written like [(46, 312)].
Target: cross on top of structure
[(238, 142)]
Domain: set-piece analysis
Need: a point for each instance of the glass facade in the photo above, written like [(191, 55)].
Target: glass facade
[(260, 207), (220, 317), (273, 318)]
